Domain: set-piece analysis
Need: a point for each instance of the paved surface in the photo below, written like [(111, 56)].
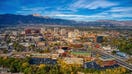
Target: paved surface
[(121, 62)]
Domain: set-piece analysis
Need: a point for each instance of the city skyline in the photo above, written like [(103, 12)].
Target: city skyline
[(80, 10)]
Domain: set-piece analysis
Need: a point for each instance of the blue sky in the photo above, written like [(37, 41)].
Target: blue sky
[(82, 10)]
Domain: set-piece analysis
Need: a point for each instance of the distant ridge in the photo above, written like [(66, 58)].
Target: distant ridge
[(13, 19)]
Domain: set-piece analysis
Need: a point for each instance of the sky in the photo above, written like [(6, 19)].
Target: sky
[(81, 10)]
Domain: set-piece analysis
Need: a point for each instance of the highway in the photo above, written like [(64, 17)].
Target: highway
[(119, 61)]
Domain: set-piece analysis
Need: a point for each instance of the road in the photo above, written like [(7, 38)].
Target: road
[(119, 61)]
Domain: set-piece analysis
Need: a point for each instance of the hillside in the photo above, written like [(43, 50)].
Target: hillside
[(12, 19)]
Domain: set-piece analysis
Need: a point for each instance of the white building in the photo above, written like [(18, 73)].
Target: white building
[(43, 30), (68, 60), (56, 30), (62, 31)]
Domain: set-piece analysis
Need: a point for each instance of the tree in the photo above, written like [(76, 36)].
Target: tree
[(31, 47), (113, 52), (18, 47), (41, 66), (28, 70), (25, 64)]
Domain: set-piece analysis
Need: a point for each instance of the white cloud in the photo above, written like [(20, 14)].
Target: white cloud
[(33, 8), (97, 16), (120, 12), (121, 15), (78, 17), (92, 5), (66, 9), (121, 9), (70, 12)]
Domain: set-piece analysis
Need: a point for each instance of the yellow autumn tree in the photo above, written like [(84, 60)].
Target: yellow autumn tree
[(25, 64), (123, 69), (41, 66)]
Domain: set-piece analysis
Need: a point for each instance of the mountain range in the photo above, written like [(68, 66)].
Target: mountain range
[(13, 19)]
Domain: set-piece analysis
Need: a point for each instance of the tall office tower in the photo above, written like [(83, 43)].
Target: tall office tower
[(56, 30)]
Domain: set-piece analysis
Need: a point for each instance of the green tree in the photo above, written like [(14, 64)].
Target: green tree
[(28, 70)]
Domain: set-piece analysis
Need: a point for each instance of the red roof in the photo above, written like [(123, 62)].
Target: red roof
[(109, 63)]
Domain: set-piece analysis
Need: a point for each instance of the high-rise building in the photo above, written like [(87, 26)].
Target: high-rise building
[(70, 34), (43, 30), (99, 39), (27, 31), (32, 31), (56, 30), (62, 31)]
